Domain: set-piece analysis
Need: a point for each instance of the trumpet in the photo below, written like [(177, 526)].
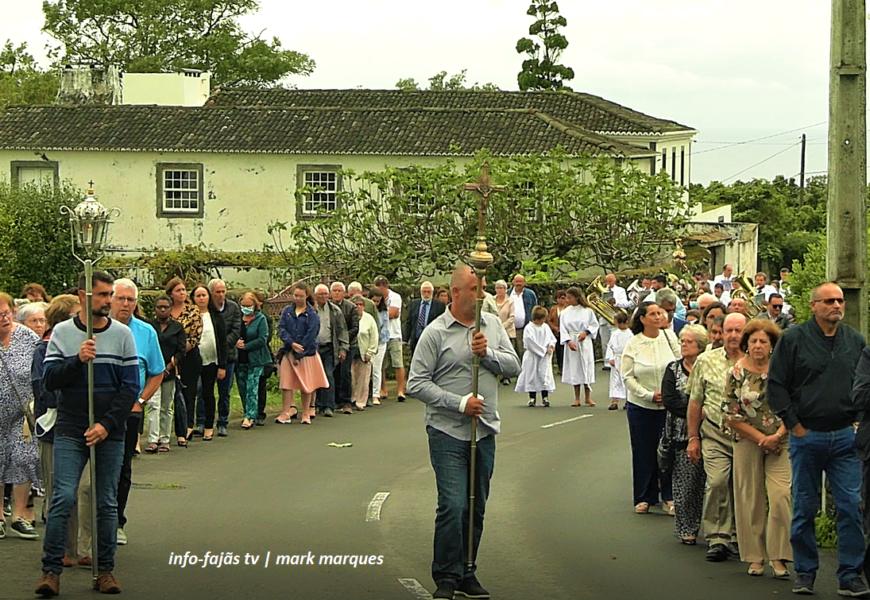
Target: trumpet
[(595, 297)]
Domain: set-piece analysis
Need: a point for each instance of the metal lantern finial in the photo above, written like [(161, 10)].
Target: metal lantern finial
[(89, 224)]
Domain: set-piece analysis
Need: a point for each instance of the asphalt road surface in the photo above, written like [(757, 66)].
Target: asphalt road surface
[(560, 520)]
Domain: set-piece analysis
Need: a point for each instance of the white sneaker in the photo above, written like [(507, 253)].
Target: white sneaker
[(122, 537)]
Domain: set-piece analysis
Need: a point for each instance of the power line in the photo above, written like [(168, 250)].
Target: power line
[(766, 137), (761, 162)]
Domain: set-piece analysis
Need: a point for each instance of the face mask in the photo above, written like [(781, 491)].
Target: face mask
[(247, 310), (693, 305)]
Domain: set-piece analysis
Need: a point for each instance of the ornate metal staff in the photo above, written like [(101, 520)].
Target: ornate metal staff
[(480, 261)]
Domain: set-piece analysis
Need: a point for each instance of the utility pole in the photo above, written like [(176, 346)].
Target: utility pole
[(803, 168), (847, 159)]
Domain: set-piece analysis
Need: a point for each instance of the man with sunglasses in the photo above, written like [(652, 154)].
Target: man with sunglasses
[(810, 388), (776, 313)]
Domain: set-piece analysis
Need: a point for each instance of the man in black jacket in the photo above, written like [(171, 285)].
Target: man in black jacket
[(232, 316), (332, 345), (421, 312), (810, 388), (342, 372)]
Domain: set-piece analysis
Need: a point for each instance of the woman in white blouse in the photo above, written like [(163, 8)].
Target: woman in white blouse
[(507, 314), (213, 349), (644, 360)]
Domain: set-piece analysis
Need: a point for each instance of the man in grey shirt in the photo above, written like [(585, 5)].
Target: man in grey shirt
[(441, 378)]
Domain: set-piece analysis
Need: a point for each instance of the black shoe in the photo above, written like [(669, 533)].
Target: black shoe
[(471, 588), (717, 553), (369, 403), (400, 398), (261, 421), (445, 590), (803, 584), (532, 402), (733, 550), (222, 431), (545, 403), (855, 587), (505, 381), (327, 412)]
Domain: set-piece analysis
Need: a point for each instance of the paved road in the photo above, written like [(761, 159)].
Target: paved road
[(560, 523)]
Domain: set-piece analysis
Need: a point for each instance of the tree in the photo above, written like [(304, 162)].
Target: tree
[(21, 79), (36, 242), (411, 222), (150, 36), (441, 81), (541, 70)]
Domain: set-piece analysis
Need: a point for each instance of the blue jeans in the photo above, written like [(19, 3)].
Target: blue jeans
[(834, 453), (223, 404), (325, 397), (645, 428), (70, 459), (450, 460)]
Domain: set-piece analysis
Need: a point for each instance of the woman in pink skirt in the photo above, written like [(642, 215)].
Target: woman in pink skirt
[(300, 368)]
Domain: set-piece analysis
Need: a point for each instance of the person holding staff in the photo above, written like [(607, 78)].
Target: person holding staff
[(577, 326)]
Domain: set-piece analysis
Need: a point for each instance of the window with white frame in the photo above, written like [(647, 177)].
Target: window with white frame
[(180, 190), (42, 174), (322, 184)]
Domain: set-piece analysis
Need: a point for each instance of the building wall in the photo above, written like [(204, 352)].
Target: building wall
[(166, 89)]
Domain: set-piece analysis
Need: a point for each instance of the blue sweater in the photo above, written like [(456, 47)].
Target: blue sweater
[(301, 329), (116, 378)]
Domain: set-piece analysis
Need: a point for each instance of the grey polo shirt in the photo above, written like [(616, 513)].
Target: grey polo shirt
[(441, 374), (324, 337)]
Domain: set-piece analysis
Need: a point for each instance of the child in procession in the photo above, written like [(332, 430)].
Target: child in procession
[(613, 357), (537, 373)]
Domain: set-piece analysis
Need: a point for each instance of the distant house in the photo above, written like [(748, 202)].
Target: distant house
[(216, 173)]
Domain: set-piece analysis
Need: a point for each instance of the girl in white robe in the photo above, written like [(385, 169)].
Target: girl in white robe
[(613, 357), (537, 373), (578, 325)]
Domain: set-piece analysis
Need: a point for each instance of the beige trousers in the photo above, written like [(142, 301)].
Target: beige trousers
[(717, 451), (760, 479), (360, 372)]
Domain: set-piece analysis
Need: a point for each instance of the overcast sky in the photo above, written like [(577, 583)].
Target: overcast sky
[(735, 70)]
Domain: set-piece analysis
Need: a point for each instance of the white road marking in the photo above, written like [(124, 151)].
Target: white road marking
[(374, 511), (417, 590), (566, 421)]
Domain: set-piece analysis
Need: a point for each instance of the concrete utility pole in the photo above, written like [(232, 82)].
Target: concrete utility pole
[(847, 158)]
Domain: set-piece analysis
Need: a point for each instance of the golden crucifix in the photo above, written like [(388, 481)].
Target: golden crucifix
[(480, 262)]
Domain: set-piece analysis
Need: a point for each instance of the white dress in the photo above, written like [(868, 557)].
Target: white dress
[(578, 367), (618, 340), (537, 373)]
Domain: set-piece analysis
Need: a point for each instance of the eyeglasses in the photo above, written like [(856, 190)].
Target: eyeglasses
[(6, 315), (123, 299), (37, 321), (832, 301)]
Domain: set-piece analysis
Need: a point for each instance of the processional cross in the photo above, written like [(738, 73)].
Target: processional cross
[(480, 258)]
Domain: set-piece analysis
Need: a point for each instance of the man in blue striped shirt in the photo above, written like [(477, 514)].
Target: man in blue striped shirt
[(116, 387)]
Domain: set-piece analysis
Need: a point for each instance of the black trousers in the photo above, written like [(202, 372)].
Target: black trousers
[(189, 371), (343, 378), (134, 428), (208, 376), (261, 396)]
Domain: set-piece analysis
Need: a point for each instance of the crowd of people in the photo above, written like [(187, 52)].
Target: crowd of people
[(730, 422)]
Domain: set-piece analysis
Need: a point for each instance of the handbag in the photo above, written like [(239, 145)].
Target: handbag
[(25, 406), (665, 452)]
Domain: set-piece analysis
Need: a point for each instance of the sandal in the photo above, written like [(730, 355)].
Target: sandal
[(163, 448), (670, 508), (182, 443), (613, 406), (152, 448), (279, 421), (689, 541), (777, 574), (641, 508)]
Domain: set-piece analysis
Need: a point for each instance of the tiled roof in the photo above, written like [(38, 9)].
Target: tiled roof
[(286, 130), (583, 110)]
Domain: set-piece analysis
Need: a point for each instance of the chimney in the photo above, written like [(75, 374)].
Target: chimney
[(89, 86)]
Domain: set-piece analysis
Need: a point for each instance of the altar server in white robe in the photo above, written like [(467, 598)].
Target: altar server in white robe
[(578, 326), (613, 357), (537, 373)]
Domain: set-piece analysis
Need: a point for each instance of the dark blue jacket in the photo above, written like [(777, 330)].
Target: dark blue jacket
[(301, 329), (42, 398), (530, 300)]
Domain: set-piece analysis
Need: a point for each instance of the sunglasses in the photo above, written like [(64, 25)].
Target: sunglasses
[(832, 301)]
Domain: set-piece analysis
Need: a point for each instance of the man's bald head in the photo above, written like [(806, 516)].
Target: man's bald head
[(705, 300)]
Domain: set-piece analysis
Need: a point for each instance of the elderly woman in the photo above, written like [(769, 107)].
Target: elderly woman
[(507, 315), (368, 341), (254, 355), (188, 315), (32, 316), (19, 454), (644, 362), (688, 478), (761, 471)]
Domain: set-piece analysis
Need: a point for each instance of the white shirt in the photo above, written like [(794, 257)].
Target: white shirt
[(620, 297), (767, 291), (519, 309), (208, 344), (394, 326)]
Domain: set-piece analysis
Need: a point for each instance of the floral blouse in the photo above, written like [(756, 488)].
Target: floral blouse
[(191, 321), (746, 400)]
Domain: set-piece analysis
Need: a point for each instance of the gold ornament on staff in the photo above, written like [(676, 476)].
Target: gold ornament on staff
[(480, 261)]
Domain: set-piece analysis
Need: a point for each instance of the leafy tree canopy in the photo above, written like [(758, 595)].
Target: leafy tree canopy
[(150, 36), (560, 213), (21, 79), (789, 222), (541, 70), (441, 81)]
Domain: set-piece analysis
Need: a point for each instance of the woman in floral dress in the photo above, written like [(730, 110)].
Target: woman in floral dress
[(762, 471)]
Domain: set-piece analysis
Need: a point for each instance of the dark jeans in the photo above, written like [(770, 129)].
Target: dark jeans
[(326, 396), (134, 428), (450, 460), (223, 402), (70, 459), (208, 379), (261, 397), (834, 453), (644, 430), (343, 377), (189, 371)]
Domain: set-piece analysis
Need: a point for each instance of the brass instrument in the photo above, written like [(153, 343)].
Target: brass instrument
[(744, 290), (595, 297)]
